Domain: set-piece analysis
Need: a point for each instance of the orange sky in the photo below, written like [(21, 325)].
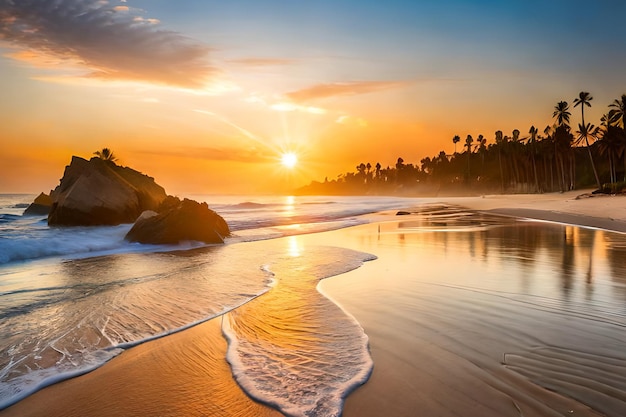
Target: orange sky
[(205, 98)]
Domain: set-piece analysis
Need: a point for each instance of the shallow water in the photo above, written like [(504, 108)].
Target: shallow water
[(90, 309), (73, 298), (486, 314), (295, 349), (466, 315)]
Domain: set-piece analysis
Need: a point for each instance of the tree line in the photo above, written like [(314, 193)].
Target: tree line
[(557, 158)]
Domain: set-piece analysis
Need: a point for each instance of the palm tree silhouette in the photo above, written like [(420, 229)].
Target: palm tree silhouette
[(456, 139), (585, 130), (106, 155), (468, 143), (561, 113), (583, 99), (532, 145), (608, 119), (619, 110), (612, 144), (584, 133)]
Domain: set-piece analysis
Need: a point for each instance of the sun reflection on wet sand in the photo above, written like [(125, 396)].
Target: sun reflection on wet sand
[(501, 319)]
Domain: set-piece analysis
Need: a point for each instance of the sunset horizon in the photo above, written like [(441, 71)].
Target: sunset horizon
[(332, 208), (208, 99)]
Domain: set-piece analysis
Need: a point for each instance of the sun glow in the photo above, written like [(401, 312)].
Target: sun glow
[(289, 159)]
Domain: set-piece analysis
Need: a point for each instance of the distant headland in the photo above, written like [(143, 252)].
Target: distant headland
[(556, 159)]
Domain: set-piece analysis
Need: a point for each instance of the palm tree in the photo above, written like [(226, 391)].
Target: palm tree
[(609, 119), (564, 157), (583, 99), (584, 133), (500, 145), (532, 141), (612, 144), (456, 139), (106, 155), (585, 130), (561, 113), (468, 143), (619, 109)]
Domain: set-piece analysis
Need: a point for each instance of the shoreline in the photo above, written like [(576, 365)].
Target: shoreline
[(133, 382)]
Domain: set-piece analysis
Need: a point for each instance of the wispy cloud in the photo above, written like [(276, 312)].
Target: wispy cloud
[(321, 91), (284, 106), (110, 42), (351, 120), (281, 105)]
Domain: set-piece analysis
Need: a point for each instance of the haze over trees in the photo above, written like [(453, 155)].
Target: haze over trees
[(554, 158)]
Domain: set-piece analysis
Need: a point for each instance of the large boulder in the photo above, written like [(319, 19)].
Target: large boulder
[(179, 221), (99, 192), (40, 206)]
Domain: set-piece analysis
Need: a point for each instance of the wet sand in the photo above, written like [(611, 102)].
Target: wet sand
[(416, 371), (179, 375)]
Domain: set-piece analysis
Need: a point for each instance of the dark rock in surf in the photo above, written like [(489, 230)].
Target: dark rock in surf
[(99, 192), (40, 206), (186, 220)]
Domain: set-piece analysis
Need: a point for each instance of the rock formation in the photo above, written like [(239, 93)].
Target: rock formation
[(99, 192), (40, 206), (179, 221)]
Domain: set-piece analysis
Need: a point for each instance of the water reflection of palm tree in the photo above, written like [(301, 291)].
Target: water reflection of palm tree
[(567, 262)]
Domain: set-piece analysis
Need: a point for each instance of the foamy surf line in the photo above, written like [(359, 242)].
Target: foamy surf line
[(294, 349), (27, 388), (85, 242), (327, 262), (114, 308)]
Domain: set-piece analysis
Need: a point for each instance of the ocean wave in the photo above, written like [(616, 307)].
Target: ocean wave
[(26, 238), (40, 242), (89, 310), (7, 218)]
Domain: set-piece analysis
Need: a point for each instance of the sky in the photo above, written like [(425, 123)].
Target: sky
[(206, 96)]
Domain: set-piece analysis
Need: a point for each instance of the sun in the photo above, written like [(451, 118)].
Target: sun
[(289, 159)]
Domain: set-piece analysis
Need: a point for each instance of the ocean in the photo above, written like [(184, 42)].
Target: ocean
[(457, 312), (73, 298)]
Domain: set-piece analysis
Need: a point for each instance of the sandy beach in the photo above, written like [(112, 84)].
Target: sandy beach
[(460, 349)]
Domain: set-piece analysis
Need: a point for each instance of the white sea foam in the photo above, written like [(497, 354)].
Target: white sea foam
[(295, 349), (73, 297), (25, 238)]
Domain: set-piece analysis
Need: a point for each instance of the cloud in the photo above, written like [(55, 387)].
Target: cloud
[(350, 120), (321, 91), (110, 42), (281, 105), (288, 107)]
